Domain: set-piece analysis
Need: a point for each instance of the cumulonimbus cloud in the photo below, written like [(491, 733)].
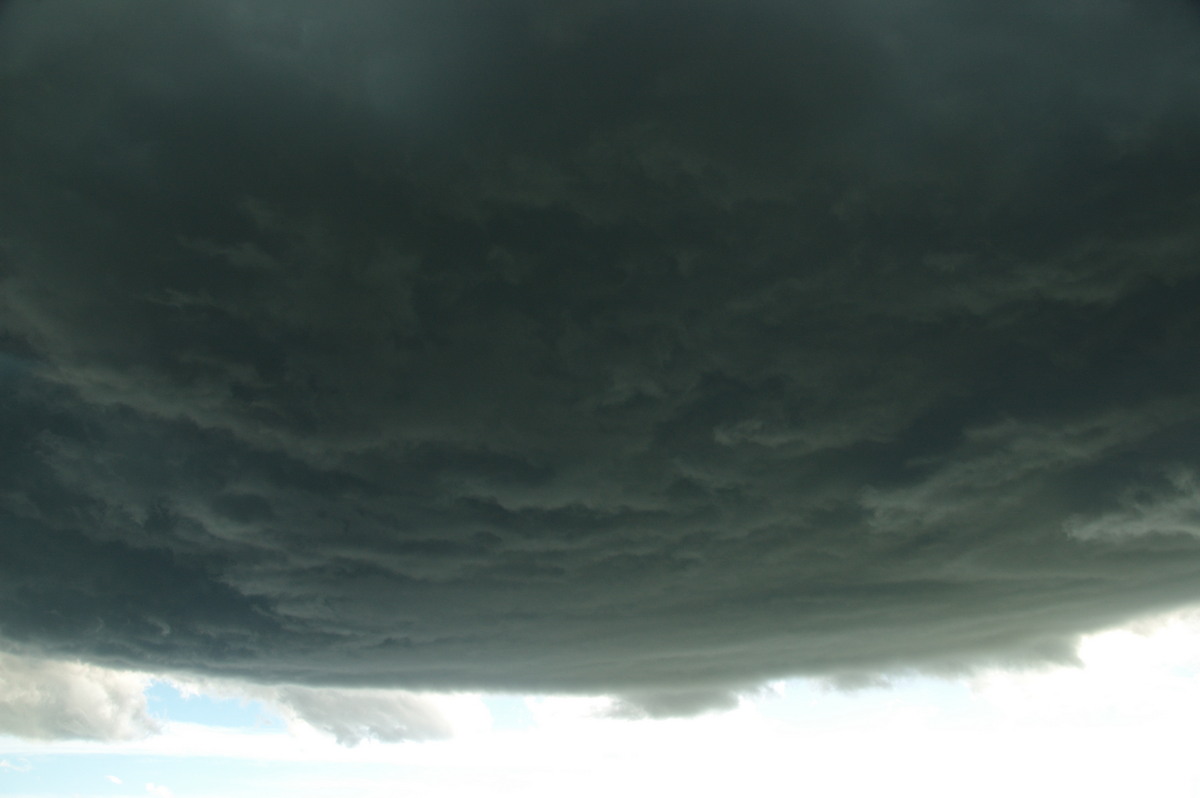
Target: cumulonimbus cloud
[(653, 350)]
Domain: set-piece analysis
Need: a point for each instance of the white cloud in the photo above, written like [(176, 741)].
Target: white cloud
[(19, 766), (49, 699), (114, 779), (159, 790), (1142, 675)]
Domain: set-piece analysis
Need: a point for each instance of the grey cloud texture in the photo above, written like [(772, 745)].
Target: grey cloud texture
[(354, 716), (653, 349)]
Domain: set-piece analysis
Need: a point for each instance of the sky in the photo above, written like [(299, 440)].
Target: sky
[(402, 366)]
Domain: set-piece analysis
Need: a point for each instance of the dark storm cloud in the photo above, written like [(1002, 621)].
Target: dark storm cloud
[(656, 349)]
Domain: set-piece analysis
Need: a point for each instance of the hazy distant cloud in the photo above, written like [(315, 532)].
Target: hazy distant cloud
[(647, 349), (44, 699), (672, 703), (353, 716)]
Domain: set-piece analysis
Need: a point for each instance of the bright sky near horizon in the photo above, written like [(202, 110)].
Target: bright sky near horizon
[(1119, 723)]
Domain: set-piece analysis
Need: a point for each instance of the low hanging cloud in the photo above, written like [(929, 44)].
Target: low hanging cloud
[(350, 715), (672, 703), (653, 350), (46, 700), (353, 716)]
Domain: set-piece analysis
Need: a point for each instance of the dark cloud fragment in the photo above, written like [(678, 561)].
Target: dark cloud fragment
[(652, 349)]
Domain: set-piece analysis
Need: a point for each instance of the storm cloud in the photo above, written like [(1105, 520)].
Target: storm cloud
[(654, 349)]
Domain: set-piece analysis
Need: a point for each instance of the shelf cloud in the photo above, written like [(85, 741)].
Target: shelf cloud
[(655, 350)]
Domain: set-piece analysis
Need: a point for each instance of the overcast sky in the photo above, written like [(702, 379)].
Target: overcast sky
[(654, 350)]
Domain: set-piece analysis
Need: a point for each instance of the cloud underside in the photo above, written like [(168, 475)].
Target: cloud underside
[(646, 350)]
